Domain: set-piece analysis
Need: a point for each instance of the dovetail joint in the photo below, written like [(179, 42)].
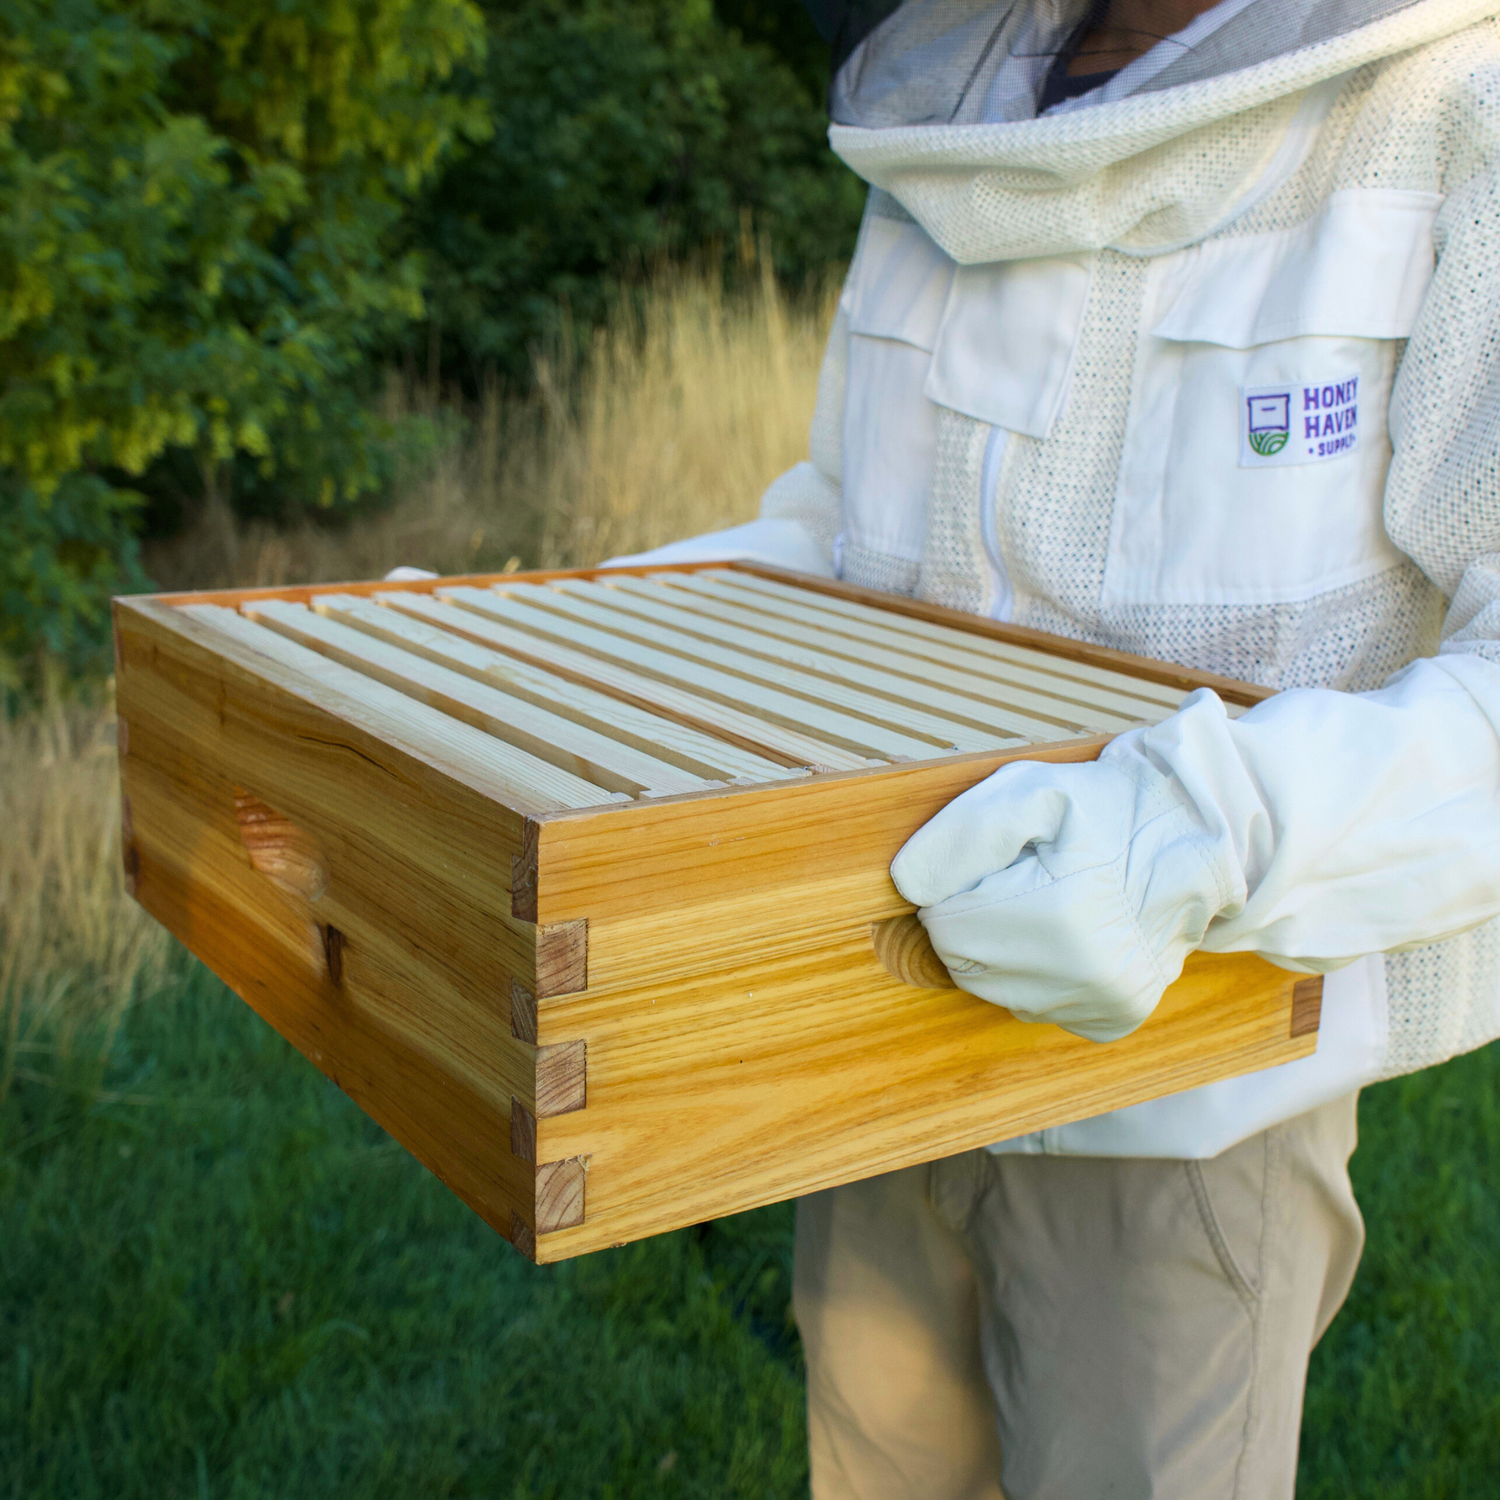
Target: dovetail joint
[(559, 1195), (521, 1236), (522, 1132), (561, 1079), (523, 874), (522, 1012), (1307, 1005)]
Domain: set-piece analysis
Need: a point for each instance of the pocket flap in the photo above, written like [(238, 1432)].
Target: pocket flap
[(1004, 353), (900, 283), (1358, 269)]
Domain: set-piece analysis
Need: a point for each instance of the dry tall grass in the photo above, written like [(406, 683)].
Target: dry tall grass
[(684, 409), (74, 949)]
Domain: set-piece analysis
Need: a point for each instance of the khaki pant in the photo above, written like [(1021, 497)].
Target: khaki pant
[(1070, 1328)]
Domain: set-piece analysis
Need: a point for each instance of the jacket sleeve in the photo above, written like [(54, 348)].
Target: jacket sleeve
[(810, 493), (1442, 500)]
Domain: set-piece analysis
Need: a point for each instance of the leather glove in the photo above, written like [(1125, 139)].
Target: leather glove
[(1318, 827)]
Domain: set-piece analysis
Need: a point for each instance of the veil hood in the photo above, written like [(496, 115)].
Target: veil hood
[(936, 107)]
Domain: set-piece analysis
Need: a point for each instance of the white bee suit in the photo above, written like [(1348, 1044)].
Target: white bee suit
[(1208, 372)]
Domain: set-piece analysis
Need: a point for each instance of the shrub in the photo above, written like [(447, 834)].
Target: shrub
[(626, 132), (198, 201)]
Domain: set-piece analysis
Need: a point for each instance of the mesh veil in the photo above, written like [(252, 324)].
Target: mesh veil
[(955, 62)]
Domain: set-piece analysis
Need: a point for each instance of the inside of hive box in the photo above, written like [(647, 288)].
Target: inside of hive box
[(572, 692)]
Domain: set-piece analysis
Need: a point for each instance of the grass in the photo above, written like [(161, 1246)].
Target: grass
[(218, 1279), (685, 408), (1404, 1397)]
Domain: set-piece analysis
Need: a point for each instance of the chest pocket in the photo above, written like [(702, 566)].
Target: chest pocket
[(1256, 449), (895, 296)]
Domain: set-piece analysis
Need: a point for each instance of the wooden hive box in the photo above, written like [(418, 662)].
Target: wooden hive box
[(578, 883)]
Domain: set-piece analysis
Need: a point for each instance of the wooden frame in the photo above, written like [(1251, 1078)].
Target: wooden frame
[(614, 1012)]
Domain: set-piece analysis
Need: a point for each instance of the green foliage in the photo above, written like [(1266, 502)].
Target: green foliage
[(218, 1279), (198, 200), (64, 550), (626, 131), (784, 29)]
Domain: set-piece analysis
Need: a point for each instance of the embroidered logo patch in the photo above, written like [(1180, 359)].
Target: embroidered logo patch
[(1298, 424)]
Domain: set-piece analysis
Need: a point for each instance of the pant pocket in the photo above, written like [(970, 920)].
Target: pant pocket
[(1229, 1263), (955, 1185)]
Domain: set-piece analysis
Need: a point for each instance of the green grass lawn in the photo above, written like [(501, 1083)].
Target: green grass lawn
[(218, 1279)]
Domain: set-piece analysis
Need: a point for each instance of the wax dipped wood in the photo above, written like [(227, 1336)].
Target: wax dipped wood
[(585, 896)]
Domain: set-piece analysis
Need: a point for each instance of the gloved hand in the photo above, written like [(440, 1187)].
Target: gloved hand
[(782, 544), (1071, 893), (1318, 827)]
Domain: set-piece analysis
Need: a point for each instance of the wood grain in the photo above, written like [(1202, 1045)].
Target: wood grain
[(365, 588), (522, 1132), (522, 1237), (194, 877), (1307, 1005), (559, 1195), (973, 671), (411, 991), (689, 749), (524, 869), (417, 846), (285, 854), (508, 775), (760, 1080), (562, 958), (900, 677), (906, 953), (838, 831), (522, 1012), (561, 1079), (944, 641), (1187, 678), (785, 697), (584, 752), (792, 748), (874, 694)]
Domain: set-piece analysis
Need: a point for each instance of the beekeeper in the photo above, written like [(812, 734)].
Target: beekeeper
[(1176, 329)]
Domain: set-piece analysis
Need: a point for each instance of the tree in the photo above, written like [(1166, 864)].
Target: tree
[(199, 201)]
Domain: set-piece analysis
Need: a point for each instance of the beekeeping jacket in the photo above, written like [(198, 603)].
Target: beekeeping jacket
[(1203, 366)]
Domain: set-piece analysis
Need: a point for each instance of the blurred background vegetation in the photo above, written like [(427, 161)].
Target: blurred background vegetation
[(274, 263)]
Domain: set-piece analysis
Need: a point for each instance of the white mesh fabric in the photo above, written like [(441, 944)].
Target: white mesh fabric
[(868, 569), (1444, 1000), (804, 495), (1059, 493), (949, 62), (953, 569)]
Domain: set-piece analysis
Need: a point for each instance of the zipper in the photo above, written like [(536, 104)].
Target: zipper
[(1002, 597)]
